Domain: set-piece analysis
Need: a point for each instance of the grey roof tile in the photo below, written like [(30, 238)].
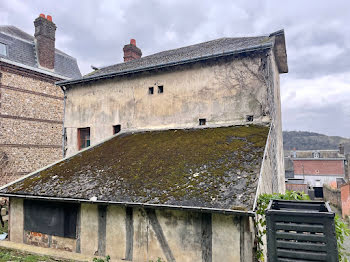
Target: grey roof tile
[(203, 168), (213, 47), (21, 49)]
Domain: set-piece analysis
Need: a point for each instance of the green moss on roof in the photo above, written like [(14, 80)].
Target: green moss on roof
[(211, 167)]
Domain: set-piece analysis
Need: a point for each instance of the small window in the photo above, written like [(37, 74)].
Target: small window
[(3, 49), (116, 129), (150, 90), (316, 154), (202, 121), (249, 118), (83, 137), (160, 90)]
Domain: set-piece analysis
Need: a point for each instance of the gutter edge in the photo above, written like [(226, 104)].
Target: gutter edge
[(135, 204)]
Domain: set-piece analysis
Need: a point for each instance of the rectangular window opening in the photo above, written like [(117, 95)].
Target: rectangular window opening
[(160, 89), (83, 137), (52, 218), (249, 118), (116, 129), (202, 121), (150, 90)]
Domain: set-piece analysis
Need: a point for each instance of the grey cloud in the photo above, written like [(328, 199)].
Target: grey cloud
[(329, 119), (96, 31)]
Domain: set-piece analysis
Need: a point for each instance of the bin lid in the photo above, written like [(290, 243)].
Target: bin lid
[(301, 207)]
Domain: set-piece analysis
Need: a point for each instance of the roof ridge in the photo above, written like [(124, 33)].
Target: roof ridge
[(29, 36), (66, 66), (16, 28), (179, 48)]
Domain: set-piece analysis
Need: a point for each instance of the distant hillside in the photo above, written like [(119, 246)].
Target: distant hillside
[(303, 140)]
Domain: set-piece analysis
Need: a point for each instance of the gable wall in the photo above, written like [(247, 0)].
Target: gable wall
[(223, 91), (272, 175)]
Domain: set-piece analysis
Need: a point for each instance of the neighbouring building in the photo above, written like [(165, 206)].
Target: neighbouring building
[(31, 105), (315, 167), (345, 200), (166, 156)]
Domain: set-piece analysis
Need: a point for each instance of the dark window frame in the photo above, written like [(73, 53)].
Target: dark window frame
[(116, 129), (202, 121), (160, 89), (84, 142), (249, 118), (51, 218), (151, 90)]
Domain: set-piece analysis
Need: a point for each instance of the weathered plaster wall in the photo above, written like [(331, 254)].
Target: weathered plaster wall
[(89, 229), (16, 222), (139, 235), (272, 172), (31, 119), (136, 234), (223, 91), (115, 231), (276, 131), (266, 183)]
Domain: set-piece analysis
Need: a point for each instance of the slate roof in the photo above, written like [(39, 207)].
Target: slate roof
[(187, 54), (21, 49), (324, 154), (217, 46), (203, 168)]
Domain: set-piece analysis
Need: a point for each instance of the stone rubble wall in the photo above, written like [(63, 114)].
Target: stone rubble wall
[(16, 131), (332, 195), (31, 105), (30, 84), (31, 122)]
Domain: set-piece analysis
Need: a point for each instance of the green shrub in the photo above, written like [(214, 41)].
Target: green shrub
[(107, 259), (260, 222), (341, 230), (158, 260)]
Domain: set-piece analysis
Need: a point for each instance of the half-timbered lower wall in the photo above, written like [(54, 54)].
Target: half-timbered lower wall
[(137, 234)]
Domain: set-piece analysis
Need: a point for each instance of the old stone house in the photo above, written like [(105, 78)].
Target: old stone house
[(166, 156), (31, 106)]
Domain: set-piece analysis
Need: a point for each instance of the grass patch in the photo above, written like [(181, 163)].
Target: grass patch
[(5, 228), (18, 256)]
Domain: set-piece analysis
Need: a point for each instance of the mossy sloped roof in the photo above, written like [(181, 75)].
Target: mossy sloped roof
[(204, 168)]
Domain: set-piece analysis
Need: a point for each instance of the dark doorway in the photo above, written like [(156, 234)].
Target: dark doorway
[(318, 192)]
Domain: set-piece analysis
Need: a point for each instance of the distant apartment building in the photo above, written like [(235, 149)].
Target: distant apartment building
[(31, 105), (315, 167)]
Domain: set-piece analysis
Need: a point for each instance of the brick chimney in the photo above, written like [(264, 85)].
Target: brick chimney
[(44, 35), (131, 51), (341, 149)]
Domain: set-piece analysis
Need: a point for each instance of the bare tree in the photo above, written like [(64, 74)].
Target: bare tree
[(245, 72)]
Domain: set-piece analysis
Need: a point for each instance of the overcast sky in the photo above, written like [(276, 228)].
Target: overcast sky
[(316, 91)]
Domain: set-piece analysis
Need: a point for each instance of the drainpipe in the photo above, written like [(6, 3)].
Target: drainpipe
[(64, 115)]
